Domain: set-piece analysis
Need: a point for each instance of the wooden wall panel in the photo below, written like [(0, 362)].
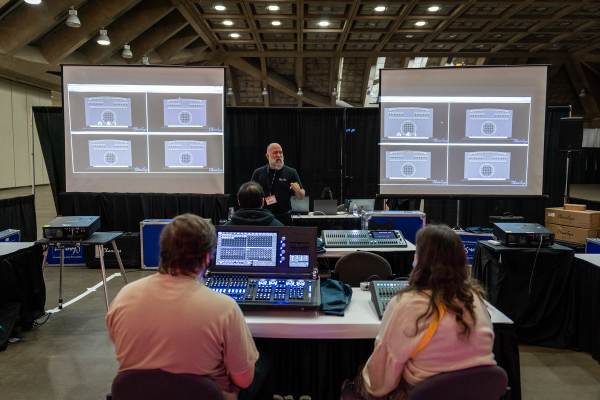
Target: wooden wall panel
[(21, 138)]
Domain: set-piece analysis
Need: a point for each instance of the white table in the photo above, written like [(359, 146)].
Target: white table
[(360, 321)]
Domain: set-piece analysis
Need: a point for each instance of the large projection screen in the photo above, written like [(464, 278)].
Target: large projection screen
[(462, 131), (143, 129)]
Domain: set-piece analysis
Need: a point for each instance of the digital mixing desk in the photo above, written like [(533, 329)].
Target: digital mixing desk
[(266, 267)]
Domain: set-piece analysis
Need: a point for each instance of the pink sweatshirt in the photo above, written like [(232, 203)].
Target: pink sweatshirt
[(446, 351)]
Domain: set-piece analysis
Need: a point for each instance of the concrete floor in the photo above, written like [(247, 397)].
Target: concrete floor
[(71, 356)]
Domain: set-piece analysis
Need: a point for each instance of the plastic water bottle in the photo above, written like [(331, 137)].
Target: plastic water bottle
[(231, 212), (355, 210)]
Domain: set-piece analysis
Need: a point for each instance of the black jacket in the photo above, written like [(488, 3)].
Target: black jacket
[(253, 216)]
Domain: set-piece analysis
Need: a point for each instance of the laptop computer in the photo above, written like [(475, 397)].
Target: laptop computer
[(327, 207), (300, 206), (361, 204)]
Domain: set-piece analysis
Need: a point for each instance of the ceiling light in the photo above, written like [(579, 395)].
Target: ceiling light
[(324, 23), (582, 93), (365, 36), (540, 36), (452, 36), (399, 46), (497, 36), (321, 35), (227, 22), (380, 8), (440, 46), (468, 24), (273, 8), (103, 38), (408, 36), (276, 23), (326, 8), (369, 93), (235, 35), (519, 46), (33, 1), (335, 92), (126, 52), (220, 7), (564, 24), (72, 20), (278, 35), (540, 9), (516, 23), (372, 24), (420, 23), (433, 8), (229, 92), (320, 46), (145, 60), (300, 93), (264, 92), (479, 45)]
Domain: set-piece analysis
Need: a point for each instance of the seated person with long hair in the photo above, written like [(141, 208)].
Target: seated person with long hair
[(441, 300), (170, 321)]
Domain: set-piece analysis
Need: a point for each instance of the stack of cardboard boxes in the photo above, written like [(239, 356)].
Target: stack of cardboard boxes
[(573, 223)]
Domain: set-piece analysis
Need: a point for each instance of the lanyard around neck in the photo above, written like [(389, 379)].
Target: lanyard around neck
[(270, 184)]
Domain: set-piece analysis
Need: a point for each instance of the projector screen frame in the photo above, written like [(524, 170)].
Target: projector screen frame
[(223, 105), (544, 194)]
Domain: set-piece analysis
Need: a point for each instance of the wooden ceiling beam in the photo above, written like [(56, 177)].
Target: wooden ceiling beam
[(192, 15), (126, 28), (97, 14), (156, 35), (579, 81), (248, 11), (252, 67), (25, 23), (178, 42), (406, 10), (457, 13), (426, 53)]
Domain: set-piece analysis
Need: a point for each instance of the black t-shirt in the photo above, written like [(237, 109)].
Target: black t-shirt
[(280, 181)]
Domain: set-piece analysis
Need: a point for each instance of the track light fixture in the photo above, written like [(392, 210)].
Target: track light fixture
[(72, 20), (126, 52), (103, 38), (145, 60), (264, 92), (300, 93), (229, 92), (335, 92)]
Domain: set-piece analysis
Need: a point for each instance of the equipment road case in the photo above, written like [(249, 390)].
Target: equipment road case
[(10, 235), (407, 222)]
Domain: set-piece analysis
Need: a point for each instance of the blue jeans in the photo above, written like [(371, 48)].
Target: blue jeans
[(261, 370)]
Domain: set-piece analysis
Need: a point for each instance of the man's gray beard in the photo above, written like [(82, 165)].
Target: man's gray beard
[(273, 164)]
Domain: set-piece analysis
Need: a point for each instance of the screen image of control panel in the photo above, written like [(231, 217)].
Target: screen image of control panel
[(257, 249)]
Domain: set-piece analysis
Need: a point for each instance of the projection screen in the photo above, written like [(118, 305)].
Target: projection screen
[(143, 129), (462, 131)]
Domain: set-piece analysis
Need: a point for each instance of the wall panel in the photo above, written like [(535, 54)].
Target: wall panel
[(7, 156), (21, 138)]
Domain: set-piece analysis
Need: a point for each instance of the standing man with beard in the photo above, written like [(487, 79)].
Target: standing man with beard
[(279, 183)]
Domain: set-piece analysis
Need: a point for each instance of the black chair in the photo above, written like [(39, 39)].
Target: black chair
[(359, 266), (156, 384), (488, 382)]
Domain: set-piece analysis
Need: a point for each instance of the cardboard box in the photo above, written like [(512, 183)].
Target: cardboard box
[(578, 219), (575, 207), (572, 234)]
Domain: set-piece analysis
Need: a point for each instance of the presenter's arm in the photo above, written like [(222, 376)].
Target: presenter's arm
[(244, 379), (298, 191)]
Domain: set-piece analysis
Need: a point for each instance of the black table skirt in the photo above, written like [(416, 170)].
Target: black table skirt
[(541, 307), (586, 282), (328, 223), (318, 367), (124, 211), (22, 281)]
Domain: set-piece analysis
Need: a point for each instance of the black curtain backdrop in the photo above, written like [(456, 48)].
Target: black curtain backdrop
[(19, 213), (586, 166), (336, 148), (50, 125)]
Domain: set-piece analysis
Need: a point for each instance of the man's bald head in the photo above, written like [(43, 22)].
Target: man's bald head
[(275, 156)]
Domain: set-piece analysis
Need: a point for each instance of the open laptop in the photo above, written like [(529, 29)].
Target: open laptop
[(327, 207), (361, 204), (300, 206)]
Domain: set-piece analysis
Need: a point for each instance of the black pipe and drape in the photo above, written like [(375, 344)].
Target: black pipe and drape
[(19, 213), (330, 147)]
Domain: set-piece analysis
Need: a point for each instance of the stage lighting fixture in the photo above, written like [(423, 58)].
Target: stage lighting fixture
[(300, 93), (103, 38), (72, 20), (126, 52), (264, 92), (335, 92)]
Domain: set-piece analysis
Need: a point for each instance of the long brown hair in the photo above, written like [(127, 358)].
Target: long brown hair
[(442, 268)]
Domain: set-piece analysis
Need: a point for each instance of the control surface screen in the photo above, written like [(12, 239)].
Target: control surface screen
[(384, 235), (256, 249)]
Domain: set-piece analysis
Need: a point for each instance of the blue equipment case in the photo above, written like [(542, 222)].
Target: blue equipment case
[(407, 222), (150, 230), (470, 242), (10, 235), (592, 246)]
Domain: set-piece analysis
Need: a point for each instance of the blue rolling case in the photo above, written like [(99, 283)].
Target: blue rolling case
[(150, 230), (592, 246), (407, 222), (470, 242), (10, 235)]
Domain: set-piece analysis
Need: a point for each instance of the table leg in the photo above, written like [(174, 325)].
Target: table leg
[(101, 250), (60, 287), (47, 249), (114, 245)]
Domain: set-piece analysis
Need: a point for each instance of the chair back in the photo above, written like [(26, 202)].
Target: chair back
[(488, 382), (156, 384), (359, 266)]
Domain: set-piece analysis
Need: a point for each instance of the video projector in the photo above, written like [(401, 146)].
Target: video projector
[(74, 228)]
